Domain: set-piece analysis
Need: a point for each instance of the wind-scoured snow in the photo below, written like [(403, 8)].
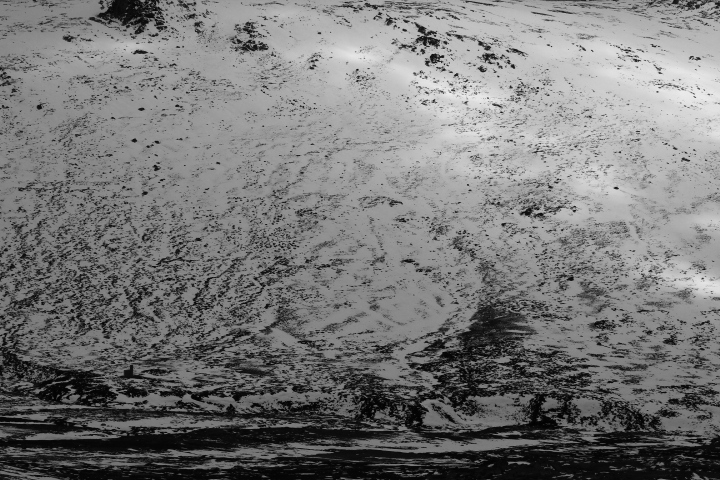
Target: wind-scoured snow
[(443, 215)]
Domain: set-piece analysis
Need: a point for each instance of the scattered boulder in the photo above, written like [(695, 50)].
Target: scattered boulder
[(5, 79)]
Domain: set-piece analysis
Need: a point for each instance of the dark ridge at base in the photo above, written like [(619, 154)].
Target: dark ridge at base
[(602, 457), (365, 404)]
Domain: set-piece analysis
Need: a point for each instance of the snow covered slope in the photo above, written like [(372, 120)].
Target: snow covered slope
[(447, 213)]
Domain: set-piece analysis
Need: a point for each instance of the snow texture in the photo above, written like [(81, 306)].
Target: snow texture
[(446, 215)]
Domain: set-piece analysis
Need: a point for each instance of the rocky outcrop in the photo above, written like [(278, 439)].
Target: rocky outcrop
[(136, 13), (709, 8)]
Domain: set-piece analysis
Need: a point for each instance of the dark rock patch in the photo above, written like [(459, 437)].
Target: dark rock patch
[(369, 202), (246, 39), (53, 384), (136, 13), (490, 326)]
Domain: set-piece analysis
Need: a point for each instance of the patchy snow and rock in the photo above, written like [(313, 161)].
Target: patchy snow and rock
[(441, 215)]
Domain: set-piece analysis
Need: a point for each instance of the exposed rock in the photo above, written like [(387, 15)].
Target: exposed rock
[(136, 13)]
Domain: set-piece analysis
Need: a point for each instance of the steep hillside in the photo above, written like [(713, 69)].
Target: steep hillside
[(445, 215)]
